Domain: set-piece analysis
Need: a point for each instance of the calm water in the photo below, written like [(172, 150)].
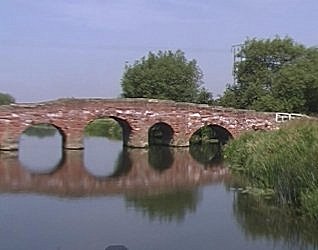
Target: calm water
[(159, 198)]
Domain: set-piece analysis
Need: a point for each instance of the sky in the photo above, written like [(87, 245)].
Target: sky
[(79, 48)]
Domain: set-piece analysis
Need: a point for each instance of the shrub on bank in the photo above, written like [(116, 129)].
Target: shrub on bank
[(283, 161)]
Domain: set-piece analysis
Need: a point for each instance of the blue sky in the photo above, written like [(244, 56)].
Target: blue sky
[(67, 48)]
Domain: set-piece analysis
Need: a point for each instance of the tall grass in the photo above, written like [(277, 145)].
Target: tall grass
[(283, 161)]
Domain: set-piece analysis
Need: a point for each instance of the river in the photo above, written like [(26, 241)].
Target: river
[(143, 199)]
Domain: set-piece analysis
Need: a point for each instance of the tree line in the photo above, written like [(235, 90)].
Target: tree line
[(6, 99), (270, 75), (274, 75)]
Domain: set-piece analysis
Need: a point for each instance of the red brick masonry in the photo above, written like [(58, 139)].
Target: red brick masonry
[(136, 116)]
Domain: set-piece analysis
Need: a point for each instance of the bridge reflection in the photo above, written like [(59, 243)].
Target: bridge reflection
[(132, 174)]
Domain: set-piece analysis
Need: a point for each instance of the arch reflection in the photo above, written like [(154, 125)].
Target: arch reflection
[(132, 171), (160, 157), (208, 154), (122, 165), (41, 149), (102, 156)]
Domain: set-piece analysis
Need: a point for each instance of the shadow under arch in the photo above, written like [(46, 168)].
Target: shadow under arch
[(160, 133), (41, 148), (111, 127), (211, 133)]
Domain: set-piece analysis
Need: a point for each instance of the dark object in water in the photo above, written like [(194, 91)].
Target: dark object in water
[(116, 247)]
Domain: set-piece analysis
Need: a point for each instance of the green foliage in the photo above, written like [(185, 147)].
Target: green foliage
[(6, 99), (284, 161), (104, 128), (41, 130), (165, 75), (204, 135), (274, 75)]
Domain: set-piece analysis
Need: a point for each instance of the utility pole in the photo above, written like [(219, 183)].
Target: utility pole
[(235, 49)]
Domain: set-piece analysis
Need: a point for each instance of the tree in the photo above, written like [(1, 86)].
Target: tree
[(6, 99), (274, 75), (165, 75), (298, 83)]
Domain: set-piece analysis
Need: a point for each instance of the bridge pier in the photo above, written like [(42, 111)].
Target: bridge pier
[(9, 138), (180, 140), (73, 141), (137, 139), (9, 144)]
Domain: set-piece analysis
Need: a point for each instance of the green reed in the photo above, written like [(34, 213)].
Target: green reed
[(284, 161)]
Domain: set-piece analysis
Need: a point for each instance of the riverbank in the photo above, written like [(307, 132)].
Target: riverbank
[(282, 165)]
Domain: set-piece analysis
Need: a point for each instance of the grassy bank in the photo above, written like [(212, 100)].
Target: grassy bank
[(283, 163)]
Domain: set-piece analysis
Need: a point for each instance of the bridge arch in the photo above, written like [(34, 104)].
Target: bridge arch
[(124, 125), (31, 145), (160, 133), (104, 138), (39, 129), (213, 133)]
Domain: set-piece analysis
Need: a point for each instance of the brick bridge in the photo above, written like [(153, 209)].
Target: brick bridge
[(179, 121)]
